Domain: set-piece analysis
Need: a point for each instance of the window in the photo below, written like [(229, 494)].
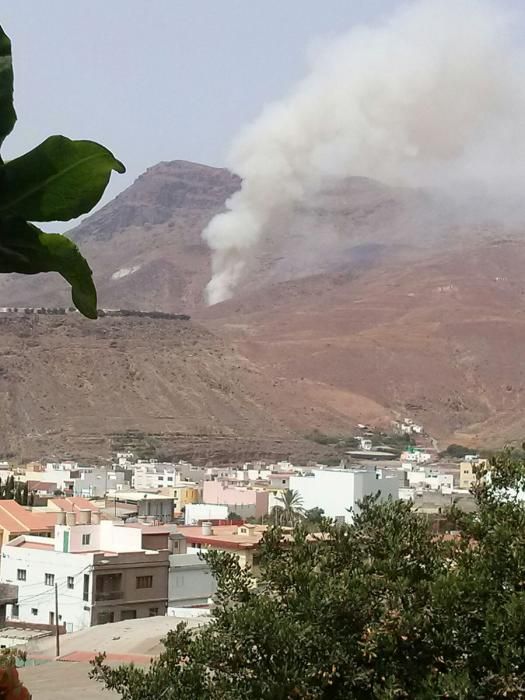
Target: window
[(144, 581), (104, 617), (153, 612), (86, 539), (21, 575), (49, 579), (70, 582), (86, 587), (34, 611), (128, 615), (14, 611)]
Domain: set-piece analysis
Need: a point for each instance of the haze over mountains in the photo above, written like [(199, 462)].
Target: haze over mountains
[(405, 306)]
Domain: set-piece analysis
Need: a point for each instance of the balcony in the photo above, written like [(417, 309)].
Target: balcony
[(101, 596)]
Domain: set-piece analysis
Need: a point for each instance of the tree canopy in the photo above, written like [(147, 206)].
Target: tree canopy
[(380, 608)]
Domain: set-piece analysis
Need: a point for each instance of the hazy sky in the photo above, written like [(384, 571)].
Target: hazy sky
[(161, 79)]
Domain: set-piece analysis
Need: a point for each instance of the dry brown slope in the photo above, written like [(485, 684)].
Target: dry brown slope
[(439, 340), (67, 385)]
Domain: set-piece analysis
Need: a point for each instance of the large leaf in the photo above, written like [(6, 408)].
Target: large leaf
[(7, 111), (25, 248), (56, 181)]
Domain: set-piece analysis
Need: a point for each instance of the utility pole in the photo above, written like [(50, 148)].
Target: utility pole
[(57, 630)]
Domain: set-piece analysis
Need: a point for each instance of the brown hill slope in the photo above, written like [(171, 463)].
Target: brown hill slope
[(438, 340), (365, 303), (70, 386)]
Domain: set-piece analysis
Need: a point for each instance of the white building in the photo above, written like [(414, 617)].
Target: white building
[(125, 459), (63, 478), (430, 479), (68, 465), (364, 443), (196, 512), (338, 490), (154, 475), (101, 571), (416, 456), (98, 482)]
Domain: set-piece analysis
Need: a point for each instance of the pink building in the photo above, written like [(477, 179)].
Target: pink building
[(244, 501)]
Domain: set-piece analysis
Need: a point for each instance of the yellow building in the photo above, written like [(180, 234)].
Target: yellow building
[(183, 492), (467, 475)]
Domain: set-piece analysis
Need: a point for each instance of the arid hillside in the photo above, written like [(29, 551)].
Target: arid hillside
[(69, 386), (364, 304), (437, 340)]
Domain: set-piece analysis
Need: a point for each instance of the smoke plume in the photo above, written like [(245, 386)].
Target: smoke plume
[(432, 97)]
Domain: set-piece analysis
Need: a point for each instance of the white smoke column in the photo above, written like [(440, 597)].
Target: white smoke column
[(431, 97)]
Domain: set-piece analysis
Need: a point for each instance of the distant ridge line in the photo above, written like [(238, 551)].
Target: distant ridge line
[(62, 311)]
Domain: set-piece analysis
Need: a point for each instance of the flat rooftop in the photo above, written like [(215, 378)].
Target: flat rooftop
[(137, 496), (224, 535), (372, 454)]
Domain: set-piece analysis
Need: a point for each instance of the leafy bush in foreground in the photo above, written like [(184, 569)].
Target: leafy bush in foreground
[(382, 608)]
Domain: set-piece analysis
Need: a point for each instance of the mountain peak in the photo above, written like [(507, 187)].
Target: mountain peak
[(158, 194)]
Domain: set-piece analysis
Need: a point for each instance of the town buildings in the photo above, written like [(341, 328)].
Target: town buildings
[(241, 540), (128, 559), (101, 571), (248, 502)]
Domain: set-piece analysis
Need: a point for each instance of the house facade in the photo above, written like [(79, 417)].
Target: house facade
[(154, 475), (246, 502), (101, 571)]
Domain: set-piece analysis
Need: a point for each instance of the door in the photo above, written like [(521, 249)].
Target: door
[(51, 618)]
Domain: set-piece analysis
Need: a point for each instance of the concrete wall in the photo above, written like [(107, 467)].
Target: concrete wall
[(204, 511), (336, 491), (234, 497), (134, 601), (190, 581)]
